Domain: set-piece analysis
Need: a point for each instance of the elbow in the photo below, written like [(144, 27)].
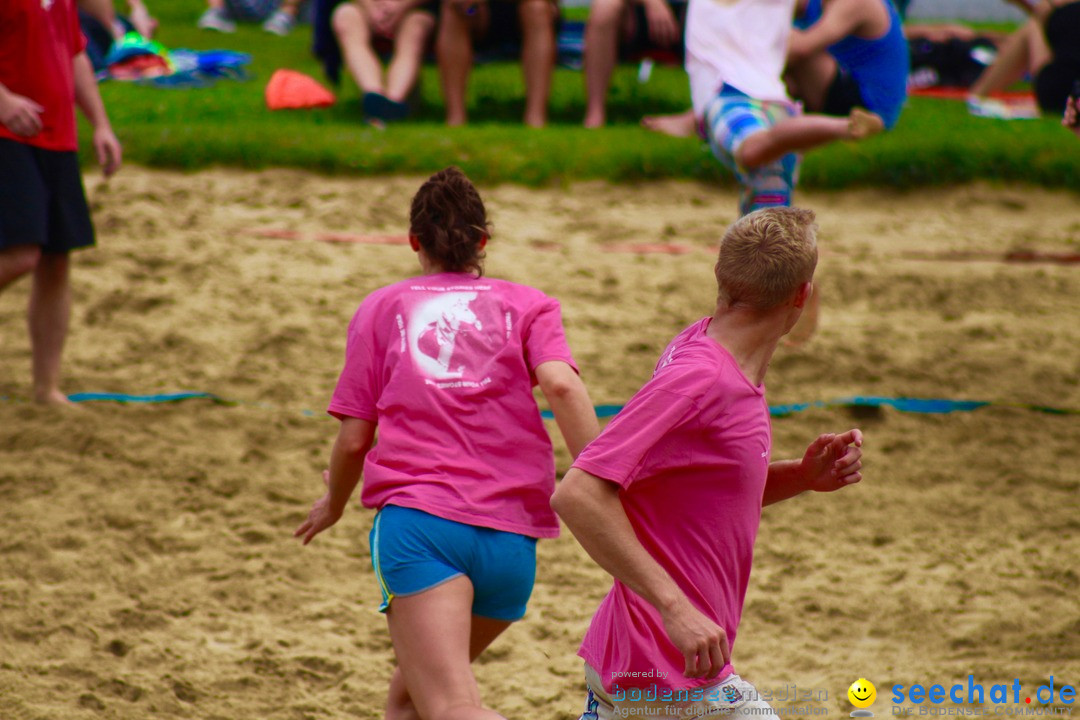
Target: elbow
[(354, 447), (564, 498), (558, 389)]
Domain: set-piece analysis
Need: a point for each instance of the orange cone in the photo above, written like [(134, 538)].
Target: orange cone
[(292, 90)]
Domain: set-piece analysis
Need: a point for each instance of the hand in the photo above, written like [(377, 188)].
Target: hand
[(321, 516), (108, 150), (663, 27), (20, 115), (144, 23), (466, 7), (385, 16), (833, 461), (702, 642), (1072, 115)]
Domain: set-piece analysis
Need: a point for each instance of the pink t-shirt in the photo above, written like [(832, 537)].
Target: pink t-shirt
[(691, 453), (445, 364)]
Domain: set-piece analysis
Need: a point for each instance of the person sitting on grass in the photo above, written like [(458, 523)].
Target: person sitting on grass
[(1047, 47), (277, 18), (640, 23), (843, 54), (532, 22), (360, 26), (102, 26)]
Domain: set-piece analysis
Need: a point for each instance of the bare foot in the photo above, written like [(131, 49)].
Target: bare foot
[(680, 126), (594, 120), (863, 124), (53, 397)]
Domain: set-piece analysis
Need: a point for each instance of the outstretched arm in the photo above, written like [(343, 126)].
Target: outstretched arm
[(591, 508), (106, 146), (830, 463), (346, 463), (839, 19), (570, 404)]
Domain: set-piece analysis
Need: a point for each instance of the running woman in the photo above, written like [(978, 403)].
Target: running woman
[(444, 365)]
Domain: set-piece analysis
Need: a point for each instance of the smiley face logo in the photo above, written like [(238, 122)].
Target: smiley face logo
[(862, 693)]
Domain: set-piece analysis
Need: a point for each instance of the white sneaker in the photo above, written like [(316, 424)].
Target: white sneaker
[(215, 19), (280, 23)]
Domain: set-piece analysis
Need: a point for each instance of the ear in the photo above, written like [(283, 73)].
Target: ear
[(802, 295), (483, 242), (414, 243)]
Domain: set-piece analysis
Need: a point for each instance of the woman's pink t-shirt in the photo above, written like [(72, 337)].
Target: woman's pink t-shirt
[(445, 364), (691, 454)]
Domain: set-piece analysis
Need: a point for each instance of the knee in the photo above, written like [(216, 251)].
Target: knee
[(23, 259), (747, 156), (536, 15), (345, 19), (606, 13), (52, 267)]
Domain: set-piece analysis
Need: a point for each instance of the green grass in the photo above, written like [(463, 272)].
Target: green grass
[(935, 143)]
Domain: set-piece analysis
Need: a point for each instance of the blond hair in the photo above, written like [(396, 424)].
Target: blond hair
[(765, 256)]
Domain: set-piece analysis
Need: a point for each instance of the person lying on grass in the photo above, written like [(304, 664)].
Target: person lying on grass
[(444, 365), (363, 28)]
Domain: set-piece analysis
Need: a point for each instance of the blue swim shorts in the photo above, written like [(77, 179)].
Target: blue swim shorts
[(730, 118), (413, 551)]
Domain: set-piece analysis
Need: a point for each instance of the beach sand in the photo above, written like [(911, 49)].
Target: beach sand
[(147, 568)]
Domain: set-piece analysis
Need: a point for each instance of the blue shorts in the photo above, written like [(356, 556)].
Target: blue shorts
[(413, 551), (730, 118)]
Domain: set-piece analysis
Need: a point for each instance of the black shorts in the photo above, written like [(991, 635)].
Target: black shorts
[(639, 45), (843, 95), (501, 40), (1053, 85), (42, 200)]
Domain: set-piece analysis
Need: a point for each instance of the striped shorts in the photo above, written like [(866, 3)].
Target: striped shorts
[(730, 118)]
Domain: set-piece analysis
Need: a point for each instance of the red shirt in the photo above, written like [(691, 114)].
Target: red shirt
[(38, 40)]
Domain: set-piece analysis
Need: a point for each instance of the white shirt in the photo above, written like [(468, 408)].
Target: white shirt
[(739, 42)]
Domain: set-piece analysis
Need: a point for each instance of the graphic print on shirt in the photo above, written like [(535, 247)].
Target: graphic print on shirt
[(451, 338)]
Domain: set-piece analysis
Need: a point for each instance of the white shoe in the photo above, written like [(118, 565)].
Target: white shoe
[(280, 23), (215, 19)]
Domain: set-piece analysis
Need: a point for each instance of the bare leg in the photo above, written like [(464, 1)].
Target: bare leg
[(809, 80), (1025, 50), (537, 57), (412, 35), (50, 308), (601, 49), (399, 705), (454, 49), (17, 261), (679, 125), (432, 640), (215, 4), (354, 36), (804, 132)]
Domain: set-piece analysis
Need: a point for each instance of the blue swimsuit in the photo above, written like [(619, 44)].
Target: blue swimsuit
[(879, 67)]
